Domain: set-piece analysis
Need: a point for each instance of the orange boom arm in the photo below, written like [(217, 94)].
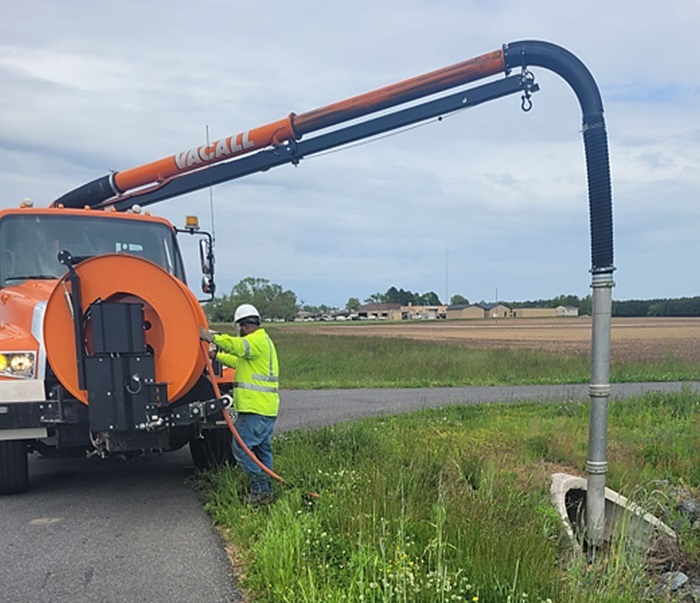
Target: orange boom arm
[(293, 127)]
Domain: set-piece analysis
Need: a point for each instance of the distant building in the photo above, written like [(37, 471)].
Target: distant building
[(534, 312), (496, 310), (545, 312), (482, 310), (464, 311), (412, 312), (303, 316), (379, 312), (566, 311)]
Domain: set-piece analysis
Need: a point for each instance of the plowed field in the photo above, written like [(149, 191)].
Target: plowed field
[(631, 338)]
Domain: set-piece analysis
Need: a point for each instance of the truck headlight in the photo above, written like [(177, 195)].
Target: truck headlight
[(17, 364)]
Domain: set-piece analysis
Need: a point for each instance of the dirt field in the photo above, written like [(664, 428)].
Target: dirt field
[(632, 338)]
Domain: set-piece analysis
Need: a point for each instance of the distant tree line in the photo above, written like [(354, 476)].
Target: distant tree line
[(683, 306), (276, 303)]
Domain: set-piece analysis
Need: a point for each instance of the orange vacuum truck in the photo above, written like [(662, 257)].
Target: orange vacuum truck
[(99, 334)]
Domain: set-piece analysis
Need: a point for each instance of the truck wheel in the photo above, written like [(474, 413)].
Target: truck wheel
[(212, 449), (14, 467)]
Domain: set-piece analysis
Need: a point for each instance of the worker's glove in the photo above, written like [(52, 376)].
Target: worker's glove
[(206, 334)]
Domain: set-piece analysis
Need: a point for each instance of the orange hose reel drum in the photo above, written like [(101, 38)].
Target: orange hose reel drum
[(172, 314)]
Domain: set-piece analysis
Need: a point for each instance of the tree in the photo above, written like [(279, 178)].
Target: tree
[(566, 300), (586, 306), (427, 299), (393, 296), (271, 300), (353, 304), (404, 297), (376, 298), (220, 309), (458, 300), (401, 296), (316, 310)]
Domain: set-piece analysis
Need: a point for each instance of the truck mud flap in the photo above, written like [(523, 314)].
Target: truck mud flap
[(14, 467)]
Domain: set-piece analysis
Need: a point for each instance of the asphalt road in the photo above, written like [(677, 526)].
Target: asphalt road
[(304, 409), (135, 532)]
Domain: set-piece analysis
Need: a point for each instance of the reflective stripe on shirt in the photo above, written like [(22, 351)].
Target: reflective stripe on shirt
[(256, 388)]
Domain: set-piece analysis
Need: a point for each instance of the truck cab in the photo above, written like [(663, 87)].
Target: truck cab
[(30, 240), (99, 341)]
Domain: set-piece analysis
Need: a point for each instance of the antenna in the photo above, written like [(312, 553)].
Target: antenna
[(447, 275), (211, 198)]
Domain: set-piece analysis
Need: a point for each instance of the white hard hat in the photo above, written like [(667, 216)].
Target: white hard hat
[(245, 311)]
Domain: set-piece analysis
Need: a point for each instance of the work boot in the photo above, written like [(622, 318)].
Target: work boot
[(258, 499)]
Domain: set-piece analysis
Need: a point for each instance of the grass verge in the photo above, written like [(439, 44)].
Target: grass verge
[(453, 505), (311, 361)]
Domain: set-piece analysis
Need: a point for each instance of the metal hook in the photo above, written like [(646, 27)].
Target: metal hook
[(527, 78), (136, 378)]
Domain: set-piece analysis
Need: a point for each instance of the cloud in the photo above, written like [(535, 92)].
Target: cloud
[(490, 198)]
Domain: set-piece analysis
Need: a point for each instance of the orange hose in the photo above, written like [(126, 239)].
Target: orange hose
[(232, 428)]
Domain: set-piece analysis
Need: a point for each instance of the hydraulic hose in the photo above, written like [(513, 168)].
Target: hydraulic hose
[(565, 64), (232, 427), (555, 58)]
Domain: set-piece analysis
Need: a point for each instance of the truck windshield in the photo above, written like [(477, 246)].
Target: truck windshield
[(29, 244)]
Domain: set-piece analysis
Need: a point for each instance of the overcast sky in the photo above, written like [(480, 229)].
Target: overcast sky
[(490, 202)]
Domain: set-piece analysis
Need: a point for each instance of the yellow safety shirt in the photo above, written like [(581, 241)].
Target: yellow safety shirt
[(256, 381)]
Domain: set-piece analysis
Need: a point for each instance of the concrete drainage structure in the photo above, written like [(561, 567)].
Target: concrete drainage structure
[(568, 494)]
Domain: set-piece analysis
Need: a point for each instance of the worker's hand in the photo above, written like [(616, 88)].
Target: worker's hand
[(206, 334)]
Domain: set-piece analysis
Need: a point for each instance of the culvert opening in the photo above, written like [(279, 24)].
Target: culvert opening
[(623, 518)]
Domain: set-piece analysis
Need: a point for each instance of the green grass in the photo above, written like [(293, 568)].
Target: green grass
[(453, 504), (310, 361), (350, 361)]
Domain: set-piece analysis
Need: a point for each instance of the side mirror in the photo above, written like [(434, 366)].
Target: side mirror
[(208, 285), (206, 257)]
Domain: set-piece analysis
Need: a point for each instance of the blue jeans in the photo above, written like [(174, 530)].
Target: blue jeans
[(256, 432)]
